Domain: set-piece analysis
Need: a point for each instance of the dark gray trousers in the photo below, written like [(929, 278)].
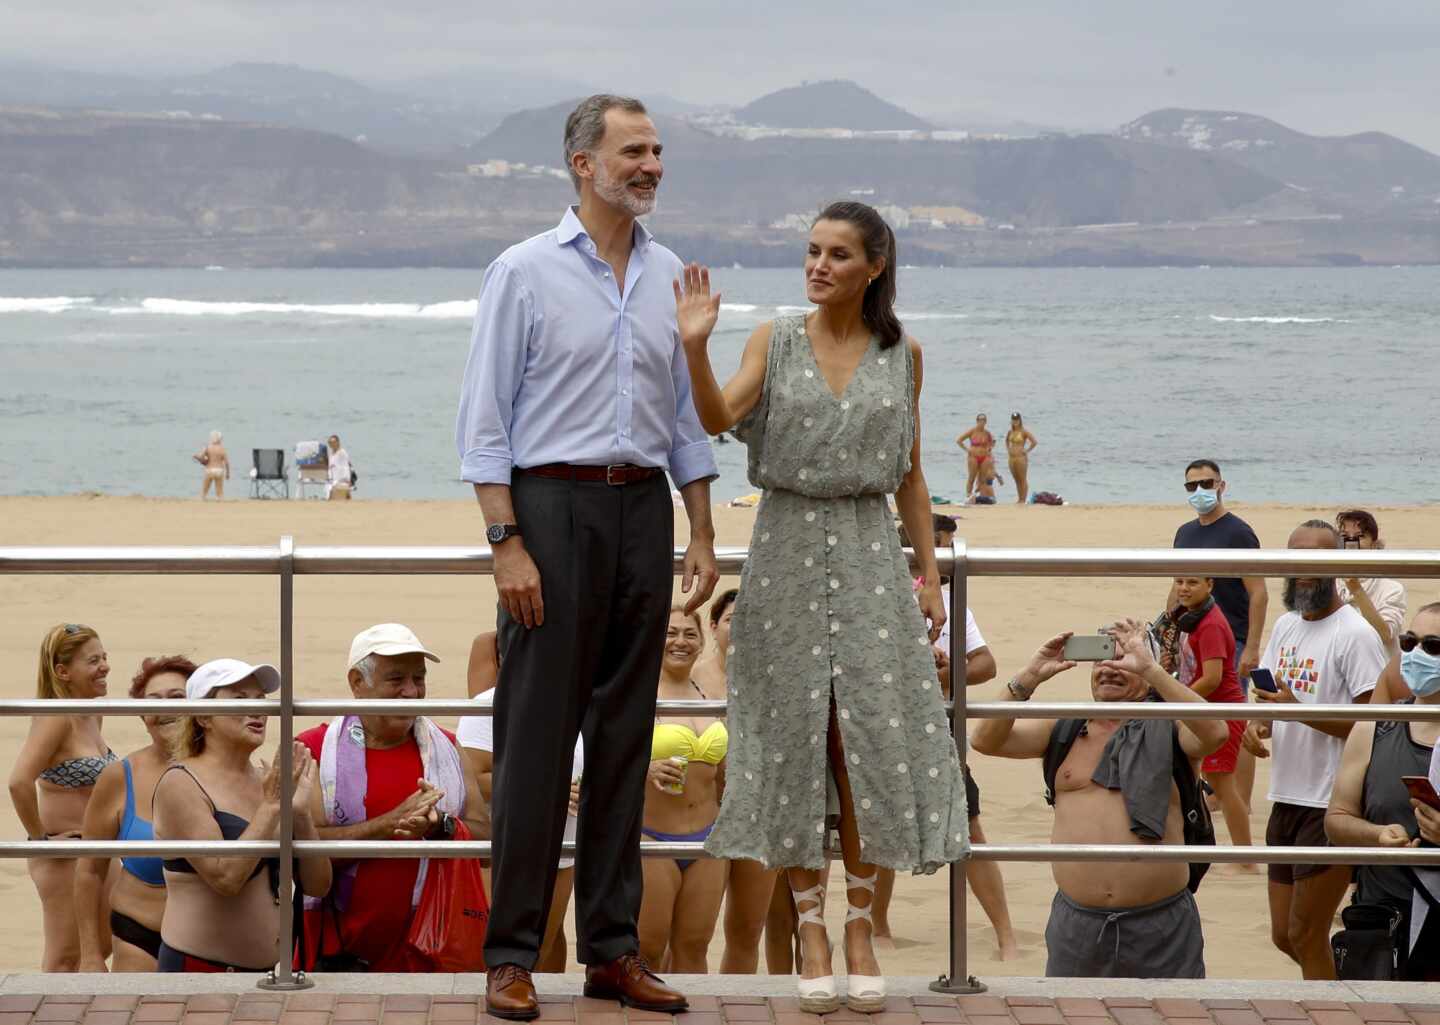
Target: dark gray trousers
[(604, 555), (1162, 940)]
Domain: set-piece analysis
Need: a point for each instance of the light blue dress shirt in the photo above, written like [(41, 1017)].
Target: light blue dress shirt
[(563, 368)]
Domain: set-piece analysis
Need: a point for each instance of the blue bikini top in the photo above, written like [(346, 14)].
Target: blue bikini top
[(133, 827)]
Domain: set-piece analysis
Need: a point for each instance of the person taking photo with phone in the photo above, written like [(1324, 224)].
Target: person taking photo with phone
[(1114, 782), (1372, 806), (1321, 652), (1379, 599)]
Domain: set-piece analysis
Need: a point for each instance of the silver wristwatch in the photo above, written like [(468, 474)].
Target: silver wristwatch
[(1017, 689)]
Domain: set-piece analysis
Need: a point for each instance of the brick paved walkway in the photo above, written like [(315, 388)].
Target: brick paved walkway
[(317, 1008)]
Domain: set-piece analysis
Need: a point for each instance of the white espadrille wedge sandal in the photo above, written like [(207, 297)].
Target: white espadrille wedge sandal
[(864, 994), (817, 996)]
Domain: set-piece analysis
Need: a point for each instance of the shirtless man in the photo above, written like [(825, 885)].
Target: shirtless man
[(1115, 919), (216, 462)]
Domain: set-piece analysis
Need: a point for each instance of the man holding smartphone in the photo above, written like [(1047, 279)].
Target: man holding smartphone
[(1113, 782), (1321, 652)]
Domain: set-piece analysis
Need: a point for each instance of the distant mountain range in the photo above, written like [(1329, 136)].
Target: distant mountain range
[(1368, 168), (1052, 181), (197, 186), (834, 104)]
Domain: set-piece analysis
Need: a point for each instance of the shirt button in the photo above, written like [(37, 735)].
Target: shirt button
[(624, 391)]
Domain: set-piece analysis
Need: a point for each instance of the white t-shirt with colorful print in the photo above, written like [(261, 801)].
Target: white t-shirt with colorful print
[(1329, 661)]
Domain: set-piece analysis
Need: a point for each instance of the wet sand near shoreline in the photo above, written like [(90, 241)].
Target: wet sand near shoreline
[(208, 616)]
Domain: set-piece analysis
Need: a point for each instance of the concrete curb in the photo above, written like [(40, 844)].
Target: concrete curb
[(735, 985)]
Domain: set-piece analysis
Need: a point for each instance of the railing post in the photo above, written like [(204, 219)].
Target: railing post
[(283, 976), (959, 979)]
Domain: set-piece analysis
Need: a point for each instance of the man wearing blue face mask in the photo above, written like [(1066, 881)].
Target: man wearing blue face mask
[(1243, 600), (1371, 806)]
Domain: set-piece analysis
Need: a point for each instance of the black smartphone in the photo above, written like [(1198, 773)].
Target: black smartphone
[(1264, 679)]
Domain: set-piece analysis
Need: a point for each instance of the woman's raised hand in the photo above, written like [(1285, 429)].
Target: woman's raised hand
[(696, 310), (304, 770)]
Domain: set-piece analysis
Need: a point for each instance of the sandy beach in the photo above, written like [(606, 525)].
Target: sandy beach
[(208, 617)]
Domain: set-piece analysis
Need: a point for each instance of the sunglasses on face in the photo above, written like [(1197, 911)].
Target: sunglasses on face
[(1352, 540), (1430, 644), (1208, 483)]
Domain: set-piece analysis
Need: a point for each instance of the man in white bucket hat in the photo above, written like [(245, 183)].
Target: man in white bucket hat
[(384, 777)]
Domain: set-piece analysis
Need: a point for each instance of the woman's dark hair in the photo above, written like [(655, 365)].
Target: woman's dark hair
[(878, 309), (720, 604), (1362, 519)]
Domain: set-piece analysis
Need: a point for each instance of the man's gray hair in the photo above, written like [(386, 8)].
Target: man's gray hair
[(366, 667), (585, 126)]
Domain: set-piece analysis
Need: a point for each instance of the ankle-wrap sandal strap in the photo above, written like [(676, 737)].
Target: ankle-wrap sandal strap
[(854, 882)]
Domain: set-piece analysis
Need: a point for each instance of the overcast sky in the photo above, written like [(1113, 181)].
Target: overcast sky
[(1321, 66)]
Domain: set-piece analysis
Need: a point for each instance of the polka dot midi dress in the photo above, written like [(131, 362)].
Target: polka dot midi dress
[(826, 608)]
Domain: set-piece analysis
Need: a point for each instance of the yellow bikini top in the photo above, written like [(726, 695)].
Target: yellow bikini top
[(673, 738)]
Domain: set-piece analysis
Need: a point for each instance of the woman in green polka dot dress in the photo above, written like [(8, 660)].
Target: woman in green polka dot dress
[(834, 702)]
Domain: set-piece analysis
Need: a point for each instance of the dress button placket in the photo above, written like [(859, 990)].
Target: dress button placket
[(823, 534)]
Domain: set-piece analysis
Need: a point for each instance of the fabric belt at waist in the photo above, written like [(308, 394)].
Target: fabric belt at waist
[(616, 474)]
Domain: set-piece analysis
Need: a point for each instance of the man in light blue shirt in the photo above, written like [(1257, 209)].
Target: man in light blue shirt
[(576, 401)]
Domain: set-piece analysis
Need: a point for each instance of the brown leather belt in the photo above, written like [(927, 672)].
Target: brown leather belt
[(615, 475)]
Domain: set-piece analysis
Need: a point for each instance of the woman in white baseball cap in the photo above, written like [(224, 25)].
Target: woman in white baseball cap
[(222, 913)]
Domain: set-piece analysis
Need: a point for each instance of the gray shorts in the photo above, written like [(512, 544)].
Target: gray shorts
[(1155, 941)]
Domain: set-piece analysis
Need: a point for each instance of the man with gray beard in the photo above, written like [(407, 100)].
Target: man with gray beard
[(1321, 651), (575, 404)]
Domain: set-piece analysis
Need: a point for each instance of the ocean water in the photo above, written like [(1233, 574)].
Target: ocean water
[(1308, 385)]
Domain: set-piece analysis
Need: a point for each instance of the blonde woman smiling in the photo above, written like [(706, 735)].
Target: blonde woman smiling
[(54, 775)]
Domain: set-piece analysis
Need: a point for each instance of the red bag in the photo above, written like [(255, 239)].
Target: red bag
[(448, 927)]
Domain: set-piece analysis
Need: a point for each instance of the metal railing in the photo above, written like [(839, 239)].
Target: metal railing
[(286, 560)]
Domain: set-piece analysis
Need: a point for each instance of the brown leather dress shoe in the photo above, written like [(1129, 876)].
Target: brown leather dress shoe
[(629, 980), (509, 993)]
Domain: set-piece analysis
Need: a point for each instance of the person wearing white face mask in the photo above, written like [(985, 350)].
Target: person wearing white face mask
[(1370, 806)]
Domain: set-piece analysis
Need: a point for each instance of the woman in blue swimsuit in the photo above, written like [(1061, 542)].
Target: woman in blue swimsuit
[(53, 777), (119, 809)]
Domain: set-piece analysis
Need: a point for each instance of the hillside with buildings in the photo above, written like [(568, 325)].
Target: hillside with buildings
[(175, 188)]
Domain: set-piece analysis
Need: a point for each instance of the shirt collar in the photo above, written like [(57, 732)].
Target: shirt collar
[(570, 228)]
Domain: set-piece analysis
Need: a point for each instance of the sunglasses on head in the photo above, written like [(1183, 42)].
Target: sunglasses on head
[(1430, 644), (1208, 483)]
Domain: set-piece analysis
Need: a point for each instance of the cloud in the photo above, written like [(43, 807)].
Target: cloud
[(1322, 67)]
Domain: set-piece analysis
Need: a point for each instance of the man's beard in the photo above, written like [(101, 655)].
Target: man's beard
[(618, 193), (1310, 598)]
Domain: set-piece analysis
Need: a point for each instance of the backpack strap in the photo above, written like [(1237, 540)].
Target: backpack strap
[(1062, 739), (1196, 824)]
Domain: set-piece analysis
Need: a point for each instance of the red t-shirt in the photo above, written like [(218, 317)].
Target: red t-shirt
[(1211, 638), (374, 927)]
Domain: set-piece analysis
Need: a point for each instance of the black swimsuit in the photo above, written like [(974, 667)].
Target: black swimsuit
[(231, 828)]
